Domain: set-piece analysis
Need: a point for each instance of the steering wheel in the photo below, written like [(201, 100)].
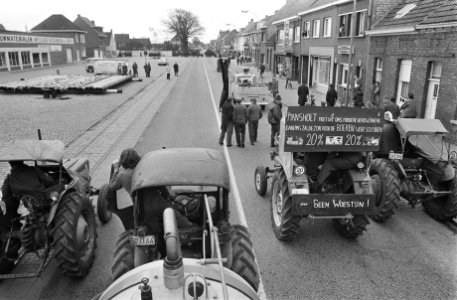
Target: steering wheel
[(186, 203)]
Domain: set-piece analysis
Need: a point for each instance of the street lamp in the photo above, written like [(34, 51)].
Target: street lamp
[(246, 11)]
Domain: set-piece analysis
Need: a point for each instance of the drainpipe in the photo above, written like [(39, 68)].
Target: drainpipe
[(351, 45)]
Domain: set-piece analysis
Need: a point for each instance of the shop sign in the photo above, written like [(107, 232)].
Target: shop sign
[(345, 49), (287, 37), (30, 39)]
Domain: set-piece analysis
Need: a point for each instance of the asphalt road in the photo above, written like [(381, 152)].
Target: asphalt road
[(409, 257)]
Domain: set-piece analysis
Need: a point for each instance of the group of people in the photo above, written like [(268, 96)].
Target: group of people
[(175, 69)]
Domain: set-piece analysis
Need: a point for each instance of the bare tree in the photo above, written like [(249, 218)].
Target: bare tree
[(184, 24)]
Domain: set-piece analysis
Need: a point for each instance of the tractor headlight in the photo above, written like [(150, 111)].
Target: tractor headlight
[(54, 196), (360, 165)]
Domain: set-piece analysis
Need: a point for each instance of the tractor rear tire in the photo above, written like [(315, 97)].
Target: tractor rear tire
[(260, 180), (443, 208), (240, 256), (285, 224), (351, 230), (75, 235), (387, 189), (103, 205), (123, 255)]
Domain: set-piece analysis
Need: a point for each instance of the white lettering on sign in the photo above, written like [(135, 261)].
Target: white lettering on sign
[(320, 204), (30, 39)]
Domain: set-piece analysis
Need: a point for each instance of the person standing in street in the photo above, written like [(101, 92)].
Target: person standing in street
[(274, 86), (358, 97), (168, 71), (391, 105), (331, 96), (303, 93), (288, 78), (254, 114), (239, 122), (261, 70), (408, 109), (376, 95), (135, 69), (226, 123), (176, 69), (274, 118)]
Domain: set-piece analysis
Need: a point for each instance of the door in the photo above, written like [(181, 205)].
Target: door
[(69, 56), (432, 97)]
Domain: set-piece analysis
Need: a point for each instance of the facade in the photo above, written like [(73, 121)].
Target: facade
[(413, 49), (24, 50), (59, 26), (96, 40)]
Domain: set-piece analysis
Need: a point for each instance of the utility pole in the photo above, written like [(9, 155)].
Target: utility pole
[(350, 84)]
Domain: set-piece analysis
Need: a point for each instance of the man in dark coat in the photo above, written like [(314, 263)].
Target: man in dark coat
[(303, 93), (176, 69), (391, 105), (274, 118), (408, 109), (358, 97), (226, 122), (254, 113), (331, 96), (135, 69), (239, 122)]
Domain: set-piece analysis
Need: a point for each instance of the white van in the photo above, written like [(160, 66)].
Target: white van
[(110, 67)]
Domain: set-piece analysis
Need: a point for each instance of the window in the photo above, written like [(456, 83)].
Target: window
[(344, 30), (297, 34), (83, 52), (360, 23), (436, 70), (321, 70), (2, 60), (280, 35), (403, 81), (25, 58), (82, 38), (36, 58), (344, 75), (263, 37), (44, 58), (306, 29), (316, 28), (76, 38), (406, 9), (327, 27), (14, 58), (378, 70)]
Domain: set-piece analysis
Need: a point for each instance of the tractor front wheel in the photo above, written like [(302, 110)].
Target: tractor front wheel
[(260, 180), (240, 256), (351, 228), (444, 208), (75, 235), (103, 204), (285, 224), (123, 255)]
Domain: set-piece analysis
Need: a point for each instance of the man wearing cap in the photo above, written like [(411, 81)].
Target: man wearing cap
[(274, 118), (239, 122), (254, 113)]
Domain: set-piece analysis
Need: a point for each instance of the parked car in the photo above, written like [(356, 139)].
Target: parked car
[(163, 61), (90, 62)]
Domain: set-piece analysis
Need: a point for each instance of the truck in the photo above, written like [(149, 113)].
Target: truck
[(245, 87)]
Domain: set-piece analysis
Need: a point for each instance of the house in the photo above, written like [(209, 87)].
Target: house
[(59, 26), (413, 49), (96, 40)]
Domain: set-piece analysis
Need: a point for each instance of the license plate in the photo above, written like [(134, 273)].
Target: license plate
[(148, 240), (398, 156), (333, 204)]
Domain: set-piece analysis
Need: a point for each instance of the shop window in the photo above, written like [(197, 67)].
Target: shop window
[(327, 27), (316, 28), (360, 23), (25, 55), (321, 70), (306, 30), (377, 70), (2, 60), (13, 58), (36, 58), (44, 58), (297, 34), (345, 25)]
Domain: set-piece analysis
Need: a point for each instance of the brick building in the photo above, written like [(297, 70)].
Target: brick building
[(96, 41), (413, 49)]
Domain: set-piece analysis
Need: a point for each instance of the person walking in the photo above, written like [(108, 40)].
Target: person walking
[(274, 118), (408, 109), (288, 78), (274, 86), (376, 95), (261, 70), (176, 69), (239, 122), (168, 72), (303, 93), (135, 69), (226, 123), (331, 96), (254, 114)]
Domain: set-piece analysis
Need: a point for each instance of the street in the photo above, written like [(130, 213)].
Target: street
[(411, 256)]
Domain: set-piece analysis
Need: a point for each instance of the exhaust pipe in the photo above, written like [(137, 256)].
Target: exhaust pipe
[(173, 269)]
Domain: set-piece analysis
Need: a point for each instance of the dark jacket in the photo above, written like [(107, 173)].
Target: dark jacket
[(358, 98), (331, 97), (176, 67), (227, 112), (408, 109), (254, 112), (303, 93), (393, 108), (274, 114), (239, 114)]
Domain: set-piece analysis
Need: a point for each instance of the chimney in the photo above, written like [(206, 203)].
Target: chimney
[(252, 20)]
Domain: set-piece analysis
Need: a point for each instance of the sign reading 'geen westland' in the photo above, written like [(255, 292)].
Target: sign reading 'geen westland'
[(30, 39), (339, 129)]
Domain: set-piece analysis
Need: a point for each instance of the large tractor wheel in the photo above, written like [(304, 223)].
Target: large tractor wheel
[(123, 255), (240, 256), (351, 229), (386, 186), (75, 235), (103, 204), (260, 180), (444, 208), (285, 224)]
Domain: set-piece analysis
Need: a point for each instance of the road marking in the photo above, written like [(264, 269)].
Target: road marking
[(236, 193)]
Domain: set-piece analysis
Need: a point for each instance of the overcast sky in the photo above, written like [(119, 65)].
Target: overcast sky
[(137, 16)]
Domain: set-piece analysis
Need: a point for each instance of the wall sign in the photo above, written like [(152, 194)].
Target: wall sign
[(30, 39)]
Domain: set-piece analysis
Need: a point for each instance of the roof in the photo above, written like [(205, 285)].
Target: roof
[(291, 10), (91, 24), (181, 166), (419, 13), (39, 150), (408, 126), (2, 28), (57, 23)]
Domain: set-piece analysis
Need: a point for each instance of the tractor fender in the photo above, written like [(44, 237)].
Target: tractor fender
[(55, 205), (360, 180)]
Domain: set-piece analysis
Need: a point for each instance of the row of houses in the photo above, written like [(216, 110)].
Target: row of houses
[(404, 45)]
